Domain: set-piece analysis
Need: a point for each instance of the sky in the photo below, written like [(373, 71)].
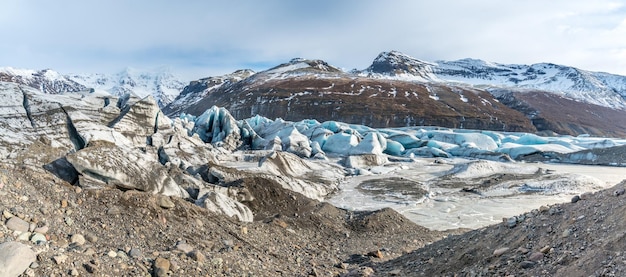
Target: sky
[(201, 38)]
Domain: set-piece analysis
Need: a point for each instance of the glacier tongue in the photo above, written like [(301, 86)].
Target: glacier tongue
[(101, 141)]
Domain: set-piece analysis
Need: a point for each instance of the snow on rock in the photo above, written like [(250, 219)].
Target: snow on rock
[(105, 164), (483, 168), (222, 204), (364, 161)]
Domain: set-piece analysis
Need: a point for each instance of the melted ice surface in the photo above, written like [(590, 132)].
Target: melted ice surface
[(443, 207)]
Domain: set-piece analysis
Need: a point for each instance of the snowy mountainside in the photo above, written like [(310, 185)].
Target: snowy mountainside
[(598, 88), (161, 83), (46, 80), (301, 89), (197, 90)]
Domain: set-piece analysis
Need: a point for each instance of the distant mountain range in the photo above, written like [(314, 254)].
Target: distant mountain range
[(598, 88), (395, 90), (398, 90), (160, 83)]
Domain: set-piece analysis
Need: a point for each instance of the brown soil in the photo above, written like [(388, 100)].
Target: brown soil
[(291, 236), (585, 238)]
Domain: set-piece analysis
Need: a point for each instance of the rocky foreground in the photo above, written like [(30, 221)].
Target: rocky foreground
[(97, 185), (52, 228)]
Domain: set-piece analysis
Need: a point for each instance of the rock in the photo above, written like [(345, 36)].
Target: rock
[(64, 203), (17, 224), (197, 256), (112, 254), (15, 258), (244, 230), (121, 254), (69, 221), (217, 261), (37, 237), (74, 272), (91, 238), (376, 254), (89, 252), (24, 236), (526, 264), (536, 256), (78, 239), (511, 222), (396, 272), (165, 202), (184, 247), (545, 249), (90, 267), (135, 253), (42, 230), (362, 271), (59, 259), (161, 267), (618, 192), (7, 214), (500, 251), (566, 233), (575, 199)]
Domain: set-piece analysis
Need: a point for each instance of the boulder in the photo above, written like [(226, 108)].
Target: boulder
[(15, 258)]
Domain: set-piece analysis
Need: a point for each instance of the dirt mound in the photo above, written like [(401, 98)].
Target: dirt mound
[(110, 232), (582, 238)]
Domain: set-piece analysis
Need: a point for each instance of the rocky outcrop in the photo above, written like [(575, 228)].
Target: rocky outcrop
[(98, 141)]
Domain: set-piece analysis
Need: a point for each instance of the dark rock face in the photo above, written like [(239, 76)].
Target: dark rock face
[(554, 113)]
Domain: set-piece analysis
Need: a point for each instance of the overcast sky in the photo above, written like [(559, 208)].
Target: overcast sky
[(199, 38)]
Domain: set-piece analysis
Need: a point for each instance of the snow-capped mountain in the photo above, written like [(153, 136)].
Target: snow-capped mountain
[(598, 88), (398, 90), (313, 89), (46, 81), (161, 83), (197, 90)]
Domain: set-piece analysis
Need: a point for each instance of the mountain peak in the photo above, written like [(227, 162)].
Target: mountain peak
[(396, 64), (300, 66)]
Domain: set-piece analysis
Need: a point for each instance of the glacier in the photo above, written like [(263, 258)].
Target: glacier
[(98, 141), (341, 139)]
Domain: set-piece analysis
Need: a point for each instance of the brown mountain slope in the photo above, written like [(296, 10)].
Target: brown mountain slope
[(551, 112), (371, 102)]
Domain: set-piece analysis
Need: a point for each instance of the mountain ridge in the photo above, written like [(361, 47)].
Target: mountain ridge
[(161, 83), (296, 90)]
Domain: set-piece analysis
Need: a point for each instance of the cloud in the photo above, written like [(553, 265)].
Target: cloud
[(216, 37)]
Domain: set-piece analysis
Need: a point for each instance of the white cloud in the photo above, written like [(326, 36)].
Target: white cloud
[(72, 35)]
